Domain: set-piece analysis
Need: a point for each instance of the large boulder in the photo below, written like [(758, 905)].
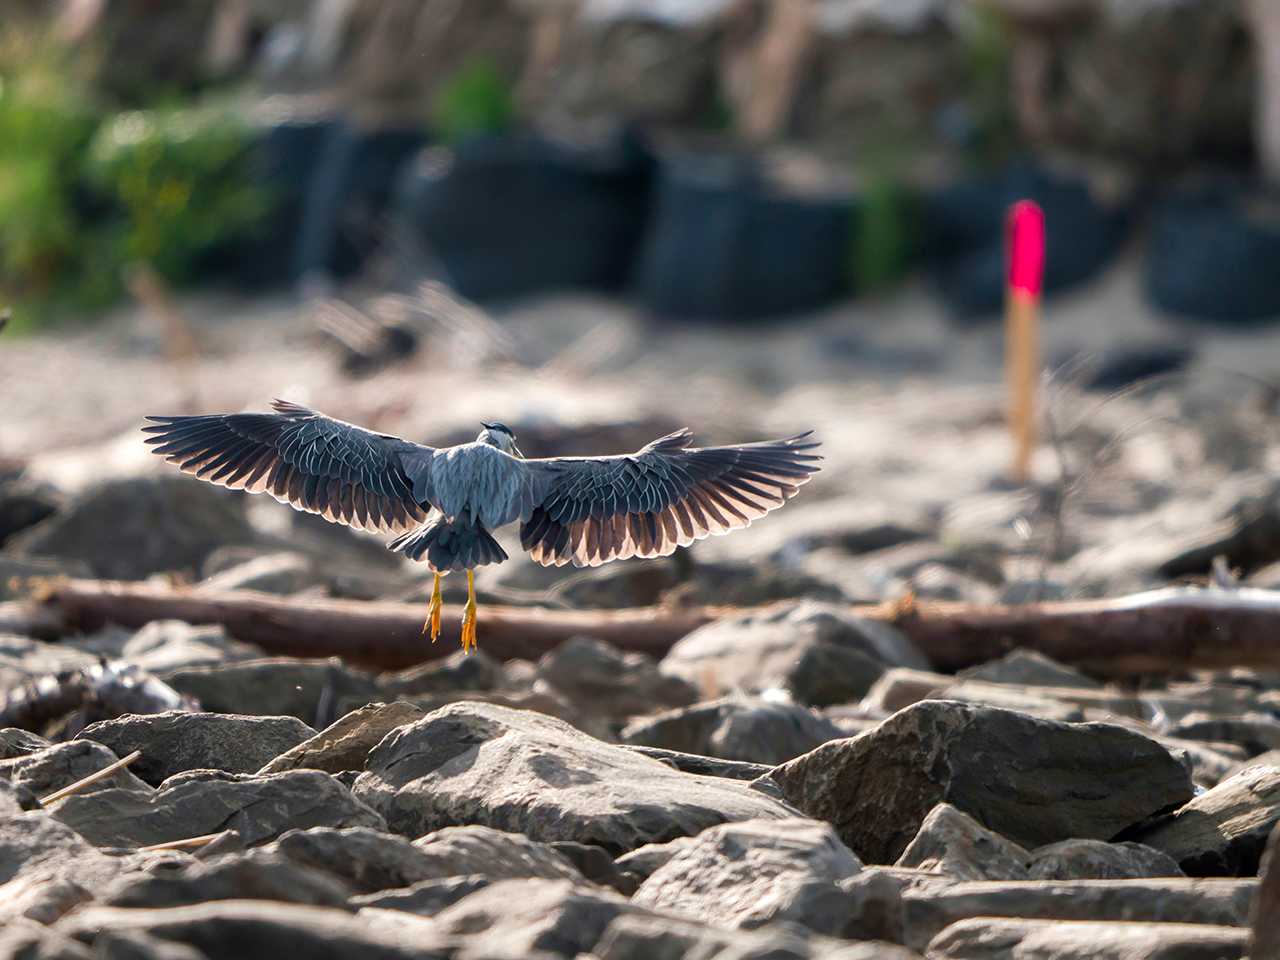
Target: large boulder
[(820, 653), (174, 741), (130, 528), (754, 873), (735, 728), (1033, 781), (200, 802), (532, 774)]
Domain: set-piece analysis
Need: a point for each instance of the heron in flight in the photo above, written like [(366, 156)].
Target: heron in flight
[(443, 502)]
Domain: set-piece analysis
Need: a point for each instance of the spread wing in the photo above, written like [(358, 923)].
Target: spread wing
[(343, 472), (665, 496)]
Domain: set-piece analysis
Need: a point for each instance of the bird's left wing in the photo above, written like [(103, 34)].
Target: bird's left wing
[(593, 510), (345, 473)]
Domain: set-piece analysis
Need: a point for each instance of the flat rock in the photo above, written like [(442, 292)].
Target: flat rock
[(772, 649), (606, 682), (1098, 860), (1265, 937), (757, 872), (345, 744), (706, 766), (1033, 781), (174, 741), (307, 689), (494, 854), (930, 910), (1223, 831), (258, 874), (952, 843), (130, 528), (735, 728), (900, 687), (365, 859), (199, 802), (63, 764), (425, 898), (1255, 732), (1029, 668), (256, 930), (517, 917), (988, 939), (473, 763), (46, 868)]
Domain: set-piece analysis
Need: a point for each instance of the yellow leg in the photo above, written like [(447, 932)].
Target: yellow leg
[(433, 612), (469, 615)]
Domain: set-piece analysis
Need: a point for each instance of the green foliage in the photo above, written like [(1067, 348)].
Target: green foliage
[(179, 180), (476, 99), (884, 228), (45, 124)]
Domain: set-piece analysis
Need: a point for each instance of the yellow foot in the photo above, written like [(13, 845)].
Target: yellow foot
[(433, 613), (469, 616)]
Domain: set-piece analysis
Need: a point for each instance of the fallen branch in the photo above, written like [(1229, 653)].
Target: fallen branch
[(1164, 631)]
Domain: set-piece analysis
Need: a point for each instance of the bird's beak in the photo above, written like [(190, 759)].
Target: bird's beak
[(516, 450)]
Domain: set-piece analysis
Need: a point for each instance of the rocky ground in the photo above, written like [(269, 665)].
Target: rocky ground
[(799, 782)]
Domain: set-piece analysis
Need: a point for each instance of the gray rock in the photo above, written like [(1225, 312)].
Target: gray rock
[(46, 868), (345, 744), (63, 764), (1264, 940), (952, 843), (174, 741), (768, 649), (137, 945), (20, 743), (604, 681), (902, 686), (643, 861), (757, 872), (425, 898), (735, 728), (256, 930), (522, 916), (30, 940), (1029, 668), (258, 874), (199, 802), (475, 671), (283, 572), (1098, 860), (307, 689), (873, 901), (596, 865), (1255, 732), (366, 860), (15, 799), (986, 939), (520, 771), (130, 528), (929, 911), (705, 766), (165, 645), (1223, 831), (494, 854), (1032, 781)]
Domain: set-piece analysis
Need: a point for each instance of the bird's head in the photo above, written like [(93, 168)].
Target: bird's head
[(499, 435)]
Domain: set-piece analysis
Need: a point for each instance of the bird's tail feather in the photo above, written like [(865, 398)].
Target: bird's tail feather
[(450, 545)]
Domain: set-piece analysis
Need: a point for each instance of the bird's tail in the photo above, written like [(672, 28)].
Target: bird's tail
[(450, 544)]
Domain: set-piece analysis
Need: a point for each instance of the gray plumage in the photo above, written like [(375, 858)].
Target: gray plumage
[(443, 502)]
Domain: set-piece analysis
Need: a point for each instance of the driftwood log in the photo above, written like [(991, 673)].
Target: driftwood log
[(1163, 631)]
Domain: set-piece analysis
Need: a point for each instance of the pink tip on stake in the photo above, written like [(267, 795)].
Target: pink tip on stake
[(1026, 248)]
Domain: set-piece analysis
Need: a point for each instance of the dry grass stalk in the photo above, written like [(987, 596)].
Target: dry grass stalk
[(90, 780)]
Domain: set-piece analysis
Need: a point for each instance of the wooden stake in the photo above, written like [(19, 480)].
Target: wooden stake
[(90, 780), (1022, 330)]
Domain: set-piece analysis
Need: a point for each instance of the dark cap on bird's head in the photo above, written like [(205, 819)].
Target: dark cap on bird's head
[(497, 425)]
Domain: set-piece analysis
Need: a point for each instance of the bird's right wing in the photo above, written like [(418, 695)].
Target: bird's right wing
[(589, 511), (345, 473)]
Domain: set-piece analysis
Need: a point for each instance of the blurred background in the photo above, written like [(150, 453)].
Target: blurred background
[(598, 220)]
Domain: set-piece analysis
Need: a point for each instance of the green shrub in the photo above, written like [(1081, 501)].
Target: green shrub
[(180, 184), (476, 99), (46, 122)]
